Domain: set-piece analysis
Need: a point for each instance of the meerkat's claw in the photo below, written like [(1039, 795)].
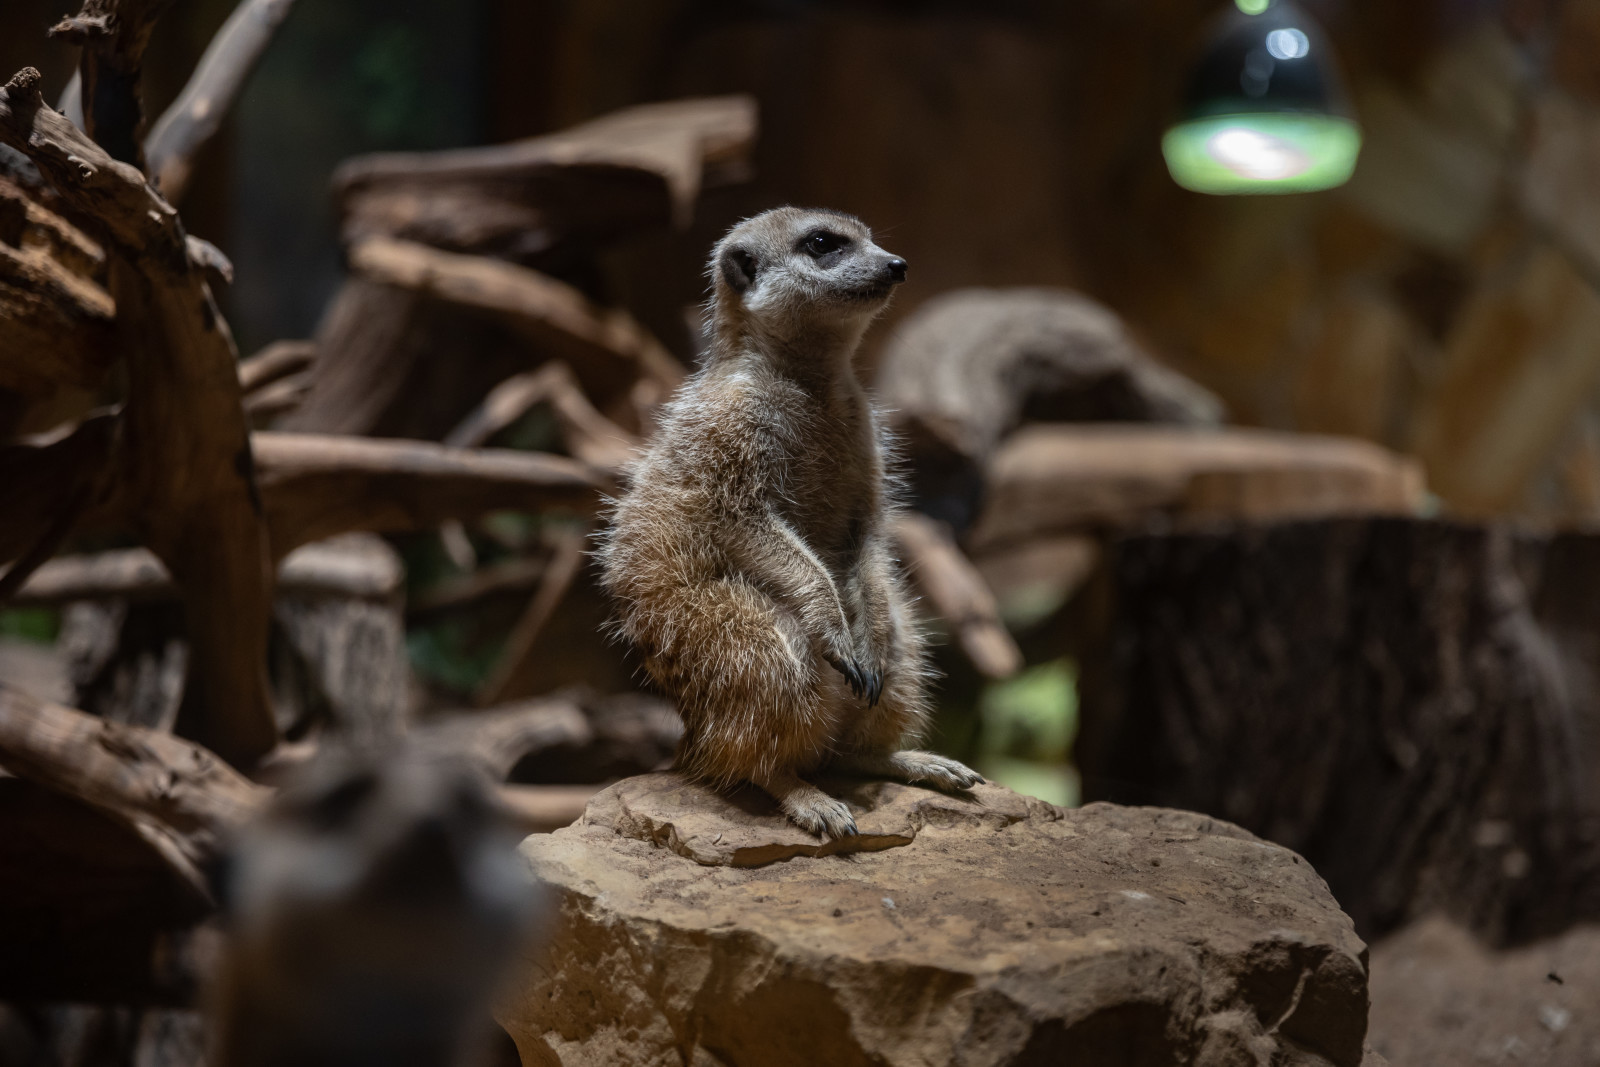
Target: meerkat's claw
[(854, 676), (816, 812), (873, 687), (910, 765)]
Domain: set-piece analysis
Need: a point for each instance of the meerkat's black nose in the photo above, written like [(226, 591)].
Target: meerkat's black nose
[(896, 269)]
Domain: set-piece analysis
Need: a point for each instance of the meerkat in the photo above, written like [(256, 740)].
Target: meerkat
[(750, 555)]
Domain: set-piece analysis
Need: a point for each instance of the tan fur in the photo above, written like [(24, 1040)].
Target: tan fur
[(750, 556)]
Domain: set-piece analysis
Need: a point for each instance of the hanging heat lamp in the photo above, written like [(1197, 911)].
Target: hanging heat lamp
[(1265, 110)]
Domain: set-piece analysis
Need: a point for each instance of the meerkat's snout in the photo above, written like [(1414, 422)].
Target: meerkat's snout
[(895, 270)]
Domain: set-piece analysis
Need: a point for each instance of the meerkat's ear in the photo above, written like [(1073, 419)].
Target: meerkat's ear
[(738, 269)]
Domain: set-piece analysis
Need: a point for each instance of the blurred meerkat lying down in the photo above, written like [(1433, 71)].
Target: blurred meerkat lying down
[(750, 555)]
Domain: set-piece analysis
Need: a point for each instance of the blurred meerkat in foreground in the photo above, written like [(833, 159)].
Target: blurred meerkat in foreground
[(750, 555), (369, 914)]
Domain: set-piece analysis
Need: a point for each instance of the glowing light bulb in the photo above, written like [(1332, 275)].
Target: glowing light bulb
[(1253, 7), (1256, 155), (1267, 153), (1288, 44)]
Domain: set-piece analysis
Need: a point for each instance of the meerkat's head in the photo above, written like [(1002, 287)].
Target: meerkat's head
[(800, 270)]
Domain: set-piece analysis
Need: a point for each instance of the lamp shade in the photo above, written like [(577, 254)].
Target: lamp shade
[(1264, 110)]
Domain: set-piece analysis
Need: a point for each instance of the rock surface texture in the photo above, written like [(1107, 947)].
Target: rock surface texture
[(976, 929)]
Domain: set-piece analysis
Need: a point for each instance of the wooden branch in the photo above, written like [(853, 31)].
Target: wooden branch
[(512, 576), (58, 320), (498, 738), (177, 796), (632, 170), (186, 466), (113, 35), (510, 678), (275, 399), (278, 360), (958, 594), (315, 486), (196, 115), (137, 574), (1064, 478), (589, 435), (593, 340)]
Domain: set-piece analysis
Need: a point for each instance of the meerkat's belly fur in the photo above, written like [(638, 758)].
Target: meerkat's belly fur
[(750, 557)]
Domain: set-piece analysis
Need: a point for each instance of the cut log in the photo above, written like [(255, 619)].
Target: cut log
[(957, 594), (177, 796), (1057, 479), (196, 115), (315, 486), (633, 170), (185, 468), (1410, 704)]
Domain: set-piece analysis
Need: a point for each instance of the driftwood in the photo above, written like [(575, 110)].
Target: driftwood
[(177, 796), (555, 317), (539, 809), (957, 593), (45, 486), (496, 739), (196, 115), (184, 466), (514, 674), (1049, 480), (58, 320), (417, 304), (113, 35), (588, 434), (1411, 705), (633, 170), (315, 486), (511, 576), (279, 360), (969, 367), (89, 912), (137, 574)]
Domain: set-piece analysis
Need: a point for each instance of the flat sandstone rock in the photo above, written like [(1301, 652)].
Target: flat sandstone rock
[(975, 929)]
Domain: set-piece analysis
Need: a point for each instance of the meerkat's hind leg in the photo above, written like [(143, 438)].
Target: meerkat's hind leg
[(809, 807), (914, 766)]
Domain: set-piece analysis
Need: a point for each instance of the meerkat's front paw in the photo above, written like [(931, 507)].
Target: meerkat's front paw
[(941, 772), (817, 813), (863, 681)]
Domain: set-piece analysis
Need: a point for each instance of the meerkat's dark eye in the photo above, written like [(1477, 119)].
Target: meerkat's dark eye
[(822, 242)]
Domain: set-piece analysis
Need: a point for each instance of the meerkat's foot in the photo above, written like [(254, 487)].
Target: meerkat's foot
[(912, 765), (810, 808)]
